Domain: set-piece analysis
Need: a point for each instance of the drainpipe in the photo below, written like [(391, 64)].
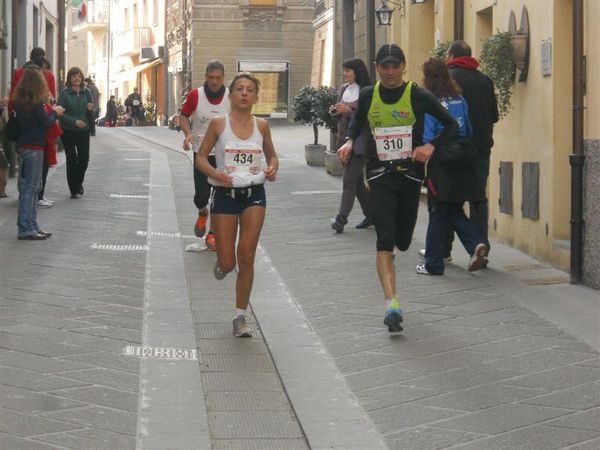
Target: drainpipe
[(459, 20), (577, 158), (371, 39)]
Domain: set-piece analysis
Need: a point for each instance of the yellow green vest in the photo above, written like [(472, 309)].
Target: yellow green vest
[(398, 114)]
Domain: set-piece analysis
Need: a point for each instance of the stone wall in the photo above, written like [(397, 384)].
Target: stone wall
[(591, 214)]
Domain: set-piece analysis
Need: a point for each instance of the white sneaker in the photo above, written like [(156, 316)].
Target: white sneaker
[(479, 260), (45, 203), (421, 270), (241, 328), (447, 259)]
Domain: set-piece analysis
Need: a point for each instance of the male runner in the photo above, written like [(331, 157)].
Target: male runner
[(394, 109), (202, 104)]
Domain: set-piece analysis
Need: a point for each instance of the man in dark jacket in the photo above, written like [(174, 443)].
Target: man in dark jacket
[(478, 91)]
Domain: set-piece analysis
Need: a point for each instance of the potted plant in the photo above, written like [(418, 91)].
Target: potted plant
[(497, 62), (311, 106), (440, 51)]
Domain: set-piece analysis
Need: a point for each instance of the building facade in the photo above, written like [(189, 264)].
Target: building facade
[(271, 38), (42, 18)]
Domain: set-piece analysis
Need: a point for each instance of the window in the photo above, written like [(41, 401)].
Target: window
[(263, 2)]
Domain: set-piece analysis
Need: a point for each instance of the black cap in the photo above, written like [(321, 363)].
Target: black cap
[(390, 53)]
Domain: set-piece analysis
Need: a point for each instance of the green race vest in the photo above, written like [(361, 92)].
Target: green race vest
[(398, 114)]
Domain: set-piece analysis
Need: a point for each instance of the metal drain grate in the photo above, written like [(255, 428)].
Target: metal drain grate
[(315, 192), (121, 247), (161, 352), (525, 267), (165, 234), (129, 196), (546, 281)]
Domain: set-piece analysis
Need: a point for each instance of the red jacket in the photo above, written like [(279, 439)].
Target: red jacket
[(18, 74)]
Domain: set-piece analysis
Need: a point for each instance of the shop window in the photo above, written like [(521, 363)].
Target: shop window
[(274, 86)]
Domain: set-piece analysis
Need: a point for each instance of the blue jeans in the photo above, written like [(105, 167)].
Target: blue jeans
[(478, 211), (443, 215), (30, 180)]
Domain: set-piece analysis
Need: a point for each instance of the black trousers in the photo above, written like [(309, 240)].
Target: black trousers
[(77, 151), (201, 186)]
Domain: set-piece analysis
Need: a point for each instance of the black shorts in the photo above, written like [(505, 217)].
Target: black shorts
[(394, 203), (235, 200)]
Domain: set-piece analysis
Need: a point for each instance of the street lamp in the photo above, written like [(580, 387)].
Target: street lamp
[(384, 12)]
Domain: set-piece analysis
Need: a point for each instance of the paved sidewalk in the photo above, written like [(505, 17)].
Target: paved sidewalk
[(488, 360)]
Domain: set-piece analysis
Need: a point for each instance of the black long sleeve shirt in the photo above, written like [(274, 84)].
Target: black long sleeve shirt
[(422, 102)]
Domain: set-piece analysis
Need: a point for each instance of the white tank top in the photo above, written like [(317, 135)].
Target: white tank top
[(205, 111), (240, 158)]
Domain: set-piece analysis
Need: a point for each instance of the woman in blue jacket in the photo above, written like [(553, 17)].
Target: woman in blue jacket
[(29, 99), (77, 101), (451, 178)]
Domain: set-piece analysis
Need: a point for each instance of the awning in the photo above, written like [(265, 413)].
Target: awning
[(132, 73), (147, 65), (263, 66)]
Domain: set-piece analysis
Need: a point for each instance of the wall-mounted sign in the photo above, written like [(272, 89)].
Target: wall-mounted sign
[(546, 57)]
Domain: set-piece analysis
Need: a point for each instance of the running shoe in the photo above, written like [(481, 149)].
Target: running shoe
[(200, 226), (478, 259), (210, 241), (447, 259), (217, 272), (44, 203), (241, 328), (393, 316)]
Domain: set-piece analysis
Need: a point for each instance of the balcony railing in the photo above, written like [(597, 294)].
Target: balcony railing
[(94, 16), (130, 42)]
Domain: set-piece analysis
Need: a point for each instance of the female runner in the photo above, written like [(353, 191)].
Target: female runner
[(238, 199)]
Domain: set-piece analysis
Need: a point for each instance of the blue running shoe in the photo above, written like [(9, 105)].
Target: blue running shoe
[(393, 316)]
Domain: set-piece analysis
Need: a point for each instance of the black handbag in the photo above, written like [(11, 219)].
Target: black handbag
[(457, 153), (12, 128)]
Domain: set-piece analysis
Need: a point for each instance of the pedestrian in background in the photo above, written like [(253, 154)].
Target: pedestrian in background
[(478, 91), (77, 101), (3, 159), (239, 202), (111, 112), (29, 100), (356, 77), (133, 103), (451, 178), (54, 132), (89, 83), (36, 57)]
